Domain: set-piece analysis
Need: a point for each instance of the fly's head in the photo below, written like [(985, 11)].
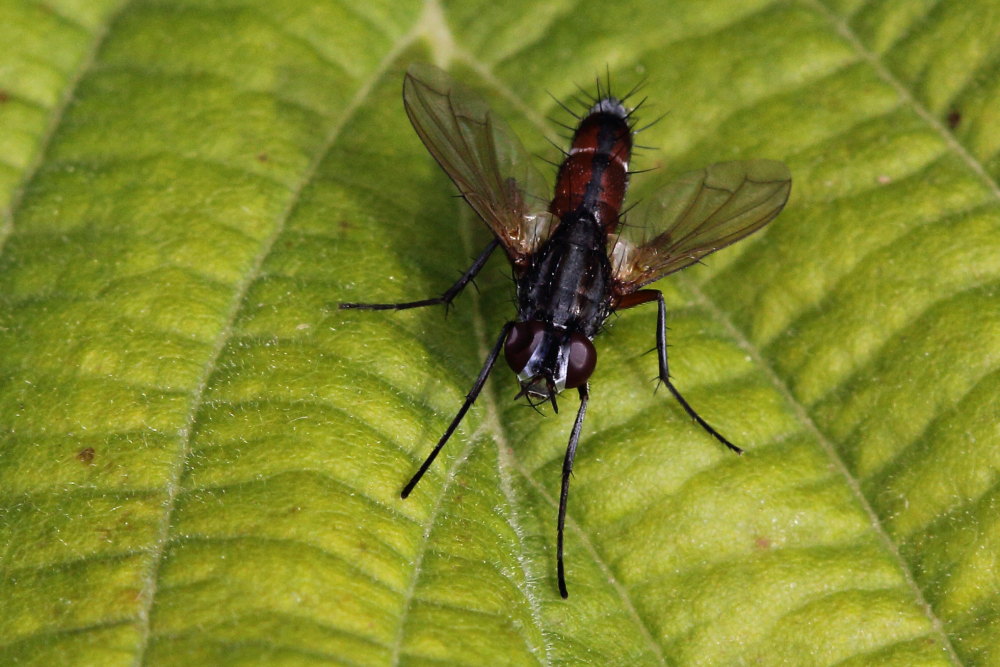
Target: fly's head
[(548, 359)]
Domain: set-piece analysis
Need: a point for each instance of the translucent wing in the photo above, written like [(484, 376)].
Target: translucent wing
[(699, 213), (483, 157)]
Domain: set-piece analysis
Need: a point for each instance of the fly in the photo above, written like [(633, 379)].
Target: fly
[(572, 261)]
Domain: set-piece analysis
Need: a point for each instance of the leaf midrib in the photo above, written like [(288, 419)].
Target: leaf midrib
[(494, 424)]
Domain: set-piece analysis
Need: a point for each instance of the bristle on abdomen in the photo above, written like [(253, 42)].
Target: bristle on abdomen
[(595, 172)]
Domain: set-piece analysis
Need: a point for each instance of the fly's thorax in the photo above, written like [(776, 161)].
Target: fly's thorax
[(548, 359), (568, 282)]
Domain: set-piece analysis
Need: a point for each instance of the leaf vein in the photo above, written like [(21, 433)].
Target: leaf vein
[(174, 482)]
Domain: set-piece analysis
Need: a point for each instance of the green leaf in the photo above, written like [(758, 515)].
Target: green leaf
[(202, 457)]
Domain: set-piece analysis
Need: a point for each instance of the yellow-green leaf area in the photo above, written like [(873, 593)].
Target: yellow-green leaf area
[(203, 457)]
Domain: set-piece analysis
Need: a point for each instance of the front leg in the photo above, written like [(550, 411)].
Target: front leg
[(470, 398), (567, 470), (445, 298)]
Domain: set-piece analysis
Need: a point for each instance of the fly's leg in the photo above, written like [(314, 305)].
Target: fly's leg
[(445, 298), (645, 296), (661, 350), (470, 398), (574, 439)]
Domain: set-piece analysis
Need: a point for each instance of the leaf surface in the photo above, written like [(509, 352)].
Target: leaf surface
[(202, 457)]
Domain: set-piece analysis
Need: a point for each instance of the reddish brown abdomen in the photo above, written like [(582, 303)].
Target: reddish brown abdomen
[(595, 174)]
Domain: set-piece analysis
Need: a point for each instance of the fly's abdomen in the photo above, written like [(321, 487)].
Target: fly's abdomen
[(594, 175)]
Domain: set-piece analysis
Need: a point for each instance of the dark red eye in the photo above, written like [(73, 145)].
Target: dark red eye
[(582, 360), (524, 337)]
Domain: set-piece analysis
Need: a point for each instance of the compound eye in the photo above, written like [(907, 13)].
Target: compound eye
[(521, 342), (582, 360)]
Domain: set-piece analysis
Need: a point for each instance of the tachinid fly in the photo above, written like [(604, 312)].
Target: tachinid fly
[(572, 259)]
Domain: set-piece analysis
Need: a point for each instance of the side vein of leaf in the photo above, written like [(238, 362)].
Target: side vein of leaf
[(48, 635), (882, 70), (286, 618), (58, 112), (173, 483), (804, 418)]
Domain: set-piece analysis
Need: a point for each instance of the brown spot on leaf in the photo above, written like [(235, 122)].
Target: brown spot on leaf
[(954, 118), (4, 96), (130, 596), (86, 456), (262, 157)]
